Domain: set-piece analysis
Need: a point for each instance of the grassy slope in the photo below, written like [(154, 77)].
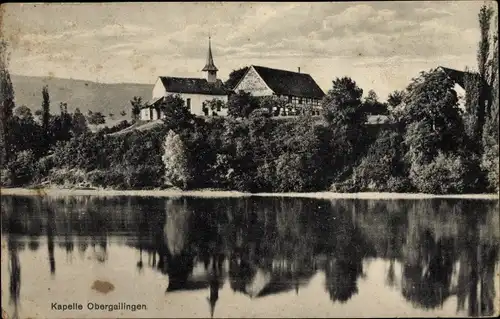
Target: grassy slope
[(86, 95)]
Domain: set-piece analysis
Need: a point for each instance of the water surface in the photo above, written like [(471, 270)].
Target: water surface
[(249, 257)]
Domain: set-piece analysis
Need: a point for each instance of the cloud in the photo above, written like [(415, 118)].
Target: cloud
[(115, 30), (377, 37), (432, 12)]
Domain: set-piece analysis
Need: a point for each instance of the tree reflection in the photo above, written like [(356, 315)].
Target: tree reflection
[(15, 274), (51, 226), (431, 254), (275, 245), (427, 282), (489, 255), (477, 268), (345, 250)]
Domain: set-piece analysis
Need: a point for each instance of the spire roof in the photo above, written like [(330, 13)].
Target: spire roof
[(210, 66)]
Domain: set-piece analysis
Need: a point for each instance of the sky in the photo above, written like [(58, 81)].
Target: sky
[(380, 45)]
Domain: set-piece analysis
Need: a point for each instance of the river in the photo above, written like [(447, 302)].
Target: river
[(248, 257)]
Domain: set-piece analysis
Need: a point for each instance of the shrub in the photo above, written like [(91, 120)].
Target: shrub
[(114, 178), (447, 174), (398, 184), (144, 177), (175, 161), (43, 167), (68, 177), (347, 186), (5, 178), (289, 173), (491, 165), (382, 163), (221, 171), (22, 168)]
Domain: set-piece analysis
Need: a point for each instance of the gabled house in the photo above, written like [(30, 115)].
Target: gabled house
[(194, 91), (298, 89)]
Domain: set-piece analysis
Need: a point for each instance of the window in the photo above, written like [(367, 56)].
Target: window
[(300, 100), (218, 106), (205, 108), (188, 103), (289, 99)]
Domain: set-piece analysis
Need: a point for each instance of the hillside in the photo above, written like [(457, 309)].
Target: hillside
[(86, 95)]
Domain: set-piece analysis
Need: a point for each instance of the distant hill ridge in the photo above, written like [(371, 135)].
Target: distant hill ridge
[(85, 95)]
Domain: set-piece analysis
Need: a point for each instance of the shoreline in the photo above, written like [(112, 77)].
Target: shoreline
[(235, 194)]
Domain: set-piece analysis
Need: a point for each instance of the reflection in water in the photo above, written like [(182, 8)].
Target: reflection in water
[(51, 225), (264, 247), (15, 274)]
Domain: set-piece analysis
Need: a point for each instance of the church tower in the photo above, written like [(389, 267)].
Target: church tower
[(210, 66)]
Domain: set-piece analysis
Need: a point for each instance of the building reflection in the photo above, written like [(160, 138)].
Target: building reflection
[(275, 246)]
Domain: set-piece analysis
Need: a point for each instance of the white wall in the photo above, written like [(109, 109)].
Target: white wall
[(149, 114), (253, 83), (145, 114), (461, 96), (158, 89), (197, 102)]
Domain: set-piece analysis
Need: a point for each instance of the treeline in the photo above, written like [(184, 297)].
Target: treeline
[(426, 150), (432, 146), (29, 140)]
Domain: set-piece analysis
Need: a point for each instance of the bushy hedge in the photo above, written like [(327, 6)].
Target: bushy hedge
[(447, 174), (130, 160), (383, 168), (22, 168), (256, 154)]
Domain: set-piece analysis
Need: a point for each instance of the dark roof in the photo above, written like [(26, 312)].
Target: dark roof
[(290, 83), (192, 85), (456, 75)]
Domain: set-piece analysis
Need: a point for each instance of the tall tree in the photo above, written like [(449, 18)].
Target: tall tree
[(432, 102), (175, 161), (372, 105), (342, 110), (136, 103), (491, 126), (61, 125), (395, 99), (6, 102), (343, 99), (473, 90), (484, 16), (46, 115), (434, 137), (79, 123), (23, 112), (177, 115)]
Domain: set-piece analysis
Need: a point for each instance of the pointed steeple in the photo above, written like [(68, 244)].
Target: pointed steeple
[(210, 66)]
